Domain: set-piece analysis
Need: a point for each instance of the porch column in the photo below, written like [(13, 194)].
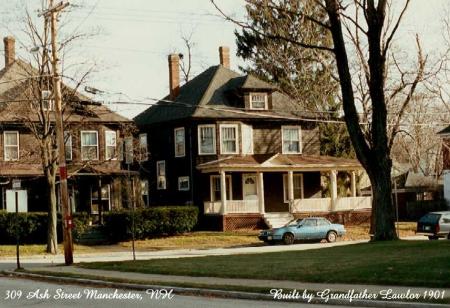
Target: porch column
[(261, 191), (333, 189), (290, 189), (223, 192), (353, 182)]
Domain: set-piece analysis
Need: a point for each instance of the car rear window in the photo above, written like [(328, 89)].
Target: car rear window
[(430, 218)]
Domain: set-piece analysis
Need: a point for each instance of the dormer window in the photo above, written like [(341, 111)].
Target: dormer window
[(48, 104), (258, 101)]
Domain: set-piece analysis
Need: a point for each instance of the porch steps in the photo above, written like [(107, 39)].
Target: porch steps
[(94, 235), (276, 220)]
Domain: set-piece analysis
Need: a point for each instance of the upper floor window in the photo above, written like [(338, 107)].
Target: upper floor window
[(143, 147), (291, 139), (206, 139), (179, 142), (110, 144), (89, 145), (11, 145), (161, 174), (258, 101), (48, 104), (68, 145), (229, 140)]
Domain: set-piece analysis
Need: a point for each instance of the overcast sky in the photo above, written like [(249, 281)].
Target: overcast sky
[(137, 35)]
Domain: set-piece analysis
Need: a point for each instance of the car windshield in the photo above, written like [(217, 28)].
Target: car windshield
[(430, 218), (294, 222)]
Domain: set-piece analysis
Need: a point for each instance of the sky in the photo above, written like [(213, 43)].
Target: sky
[(129, 55)]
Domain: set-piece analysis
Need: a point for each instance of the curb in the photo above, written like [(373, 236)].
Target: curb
[(221, 293)]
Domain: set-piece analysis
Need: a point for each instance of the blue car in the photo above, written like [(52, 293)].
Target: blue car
[(313, 228)]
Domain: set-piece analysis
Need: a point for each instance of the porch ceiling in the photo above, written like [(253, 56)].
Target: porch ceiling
[(280, 162)]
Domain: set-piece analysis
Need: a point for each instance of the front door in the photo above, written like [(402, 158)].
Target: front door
[(249, 189)]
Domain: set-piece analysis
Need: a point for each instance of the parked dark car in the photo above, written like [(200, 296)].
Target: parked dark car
[(435, 225), (314, 228)]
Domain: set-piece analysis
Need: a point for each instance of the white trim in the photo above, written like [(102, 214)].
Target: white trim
[(68, 144), (11, 146), (266, 107), (285, 182), (184, 178), (199, 127), (211, 182), (111, 132), (236, 126), (175, 141), (158, 168), (300, 145), (81, 143)]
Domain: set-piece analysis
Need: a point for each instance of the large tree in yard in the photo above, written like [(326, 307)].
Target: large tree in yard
[(362, 32)]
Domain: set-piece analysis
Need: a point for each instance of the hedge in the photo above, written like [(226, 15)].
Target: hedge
[(150, 222), (33, 227), (416, 209)]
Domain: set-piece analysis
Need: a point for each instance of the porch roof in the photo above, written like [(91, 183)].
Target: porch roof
[(280, 162)]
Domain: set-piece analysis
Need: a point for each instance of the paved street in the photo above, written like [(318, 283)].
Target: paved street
[(29, 288)]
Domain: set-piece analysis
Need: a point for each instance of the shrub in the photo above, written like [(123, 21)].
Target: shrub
[(32, 227), (150, 222)]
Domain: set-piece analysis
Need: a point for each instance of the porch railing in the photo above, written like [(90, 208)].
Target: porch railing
[(353, 203), (232, 206), (312, 205)]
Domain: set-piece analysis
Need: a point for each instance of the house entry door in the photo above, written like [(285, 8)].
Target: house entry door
[(249, 189)]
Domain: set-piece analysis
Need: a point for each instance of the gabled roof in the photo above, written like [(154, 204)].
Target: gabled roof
[(214, 94), (445, 131), (15, 81)]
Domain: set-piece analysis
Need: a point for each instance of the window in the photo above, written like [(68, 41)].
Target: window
[(206, 139), (258, 101), (143, 147), (89, 145), (129, 150), (47, 103), (183, 183), (110, 145), (247, 139), (291, 138), (179, 142), (161, 174), (68, 145), (215, 188), (105, 194), (144, 191), (229, 139), (298, 187), (11, 148)]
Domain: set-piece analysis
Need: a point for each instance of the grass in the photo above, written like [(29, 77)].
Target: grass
[(193, 240), (408, 263)]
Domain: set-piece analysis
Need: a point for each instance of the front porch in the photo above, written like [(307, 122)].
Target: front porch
[(281, 184)]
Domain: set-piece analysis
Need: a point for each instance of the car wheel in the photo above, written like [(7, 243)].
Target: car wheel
[(448, 236), (433, 237), (331, 236), (288, 238)]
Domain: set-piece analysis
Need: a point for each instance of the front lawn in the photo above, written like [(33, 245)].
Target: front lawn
[(409, 263)]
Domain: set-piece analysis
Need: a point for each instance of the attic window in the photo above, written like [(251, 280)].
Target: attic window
[(258, 101), (47, 103)]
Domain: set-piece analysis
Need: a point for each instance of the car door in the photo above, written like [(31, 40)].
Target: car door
[(445, 224), (323, 226), (307, 230)]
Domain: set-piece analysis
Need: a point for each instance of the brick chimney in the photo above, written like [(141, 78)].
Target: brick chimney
[(10, 50), (224, 54), (174, 75)]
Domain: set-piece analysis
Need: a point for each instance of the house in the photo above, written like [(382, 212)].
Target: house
[(93, 135), (236, 147), (445, 135)]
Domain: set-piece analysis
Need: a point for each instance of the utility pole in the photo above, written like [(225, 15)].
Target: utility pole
[(50, 14)]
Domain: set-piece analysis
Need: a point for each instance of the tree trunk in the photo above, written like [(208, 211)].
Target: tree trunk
[(52, 235)]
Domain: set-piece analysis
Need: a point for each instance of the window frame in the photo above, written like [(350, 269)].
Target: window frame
[(300, 145), (158, 168), (214, 144), (11, 146), (180, 180), (266, 100), (236, 126), (68, 143), (47, 98), (111, 132), (143, 148), (285, 187), (175, 130), (81, 143), (228, 181)]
